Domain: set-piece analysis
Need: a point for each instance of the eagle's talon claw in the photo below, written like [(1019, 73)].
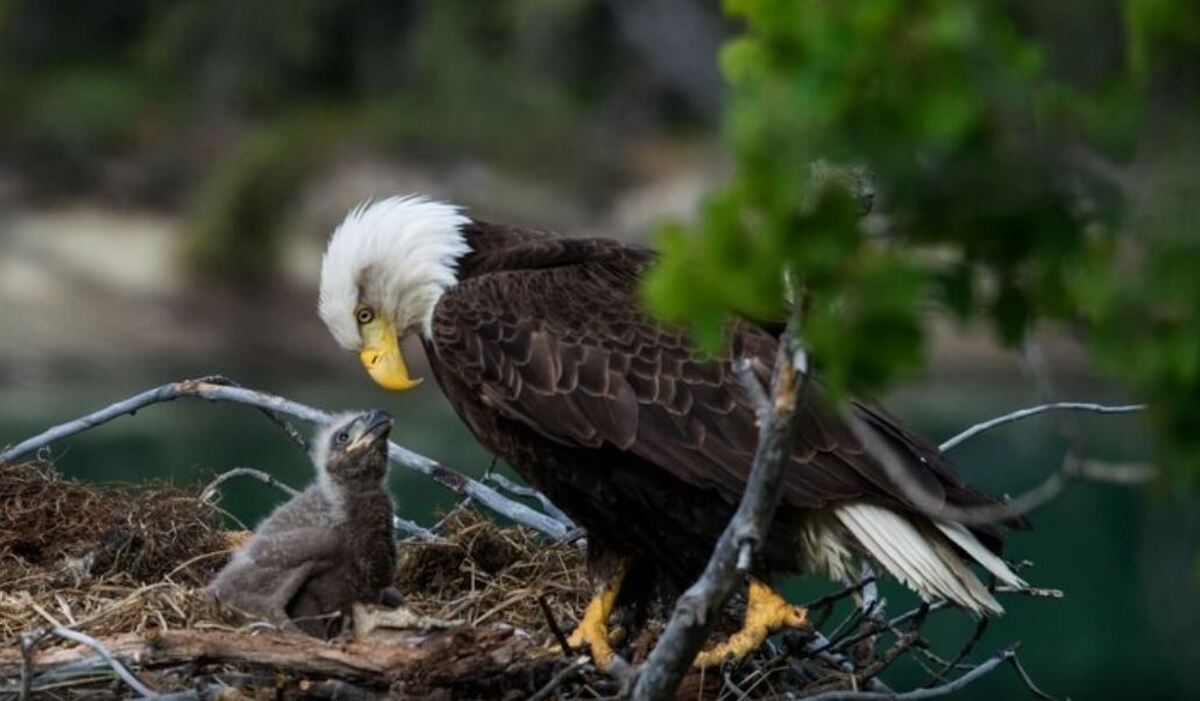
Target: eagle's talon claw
[(766, 613)]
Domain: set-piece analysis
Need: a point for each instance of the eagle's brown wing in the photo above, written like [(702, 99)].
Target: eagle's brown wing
[(561, 345)]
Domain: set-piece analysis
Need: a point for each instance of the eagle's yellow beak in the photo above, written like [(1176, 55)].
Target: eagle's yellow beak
[(382, 358)]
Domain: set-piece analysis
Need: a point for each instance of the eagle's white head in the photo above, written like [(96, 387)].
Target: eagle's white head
[(385, 268)]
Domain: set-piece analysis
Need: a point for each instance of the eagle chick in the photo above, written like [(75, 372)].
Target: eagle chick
[(329, 546)]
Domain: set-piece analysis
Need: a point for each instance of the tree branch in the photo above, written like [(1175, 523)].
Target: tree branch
[(210, 490), (932, 692), (698, 607), (1072, 469), (1033, 411), (522, 491), (204, 389), (122, 672)]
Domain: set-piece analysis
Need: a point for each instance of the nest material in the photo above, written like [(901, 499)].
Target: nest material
[(119, 562), (114, 562), (119, 559), (147, 534), (481, 573)]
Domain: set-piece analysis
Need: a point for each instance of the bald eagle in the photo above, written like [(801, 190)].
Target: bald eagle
[(542, 347)]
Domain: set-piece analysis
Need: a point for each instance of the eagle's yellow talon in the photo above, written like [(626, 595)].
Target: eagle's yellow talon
[(593, 627), (766, 613)]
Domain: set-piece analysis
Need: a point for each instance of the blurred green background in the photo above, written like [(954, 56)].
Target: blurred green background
[(169, 171)]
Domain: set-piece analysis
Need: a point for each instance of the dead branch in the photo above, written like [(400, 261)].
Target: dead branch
[(104, 653), (203, 388), (1033, 411), (520, 490), (699, 606), (1072, 469), (978, 672), (210, 491), (458, 658)]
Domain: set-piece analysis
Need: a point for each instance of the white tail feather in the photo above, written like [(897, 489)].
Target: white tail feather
[(966, 540), (924, 562)]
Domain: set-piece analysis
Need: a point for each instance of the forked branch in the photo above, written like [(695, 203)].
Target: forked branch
[(205, 388)]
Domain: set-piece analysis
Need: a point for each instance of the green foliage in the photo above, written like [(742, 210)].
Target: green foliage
[(1006, 191)]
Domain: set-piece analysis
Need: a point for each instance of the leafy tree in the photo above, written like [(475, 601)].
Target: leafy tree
[(1001, 187)]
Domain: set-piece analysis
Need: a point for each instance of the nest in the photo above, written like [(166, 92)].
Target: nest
[(126, 566), (481, 573), (116, 559), (122, 563), (146, 534)]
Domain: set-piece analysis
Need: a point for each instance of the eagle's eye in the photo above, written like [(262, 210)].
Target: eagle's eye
[(364, 315), (341, 438)]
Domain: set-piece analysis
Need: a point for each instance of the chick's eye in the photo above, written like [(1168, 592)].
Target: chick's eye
[(342, 437), (364, 315)]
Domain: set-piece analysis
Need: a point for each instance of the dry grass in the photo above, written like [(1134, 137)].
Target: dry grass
[(484, 574), (108, 560), (121, 560)]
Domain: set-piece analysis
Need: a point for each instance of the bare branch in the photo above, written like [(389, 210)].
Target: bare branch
[(699, 606), (557, 680), (288, 429), (762, 403), (202, 389), (1033, 411), (522, 491), (949, 667), (210, 491), (28, 642), (122, 672), (1072, 469), (1015, 661), (416, 530), (932, 692)]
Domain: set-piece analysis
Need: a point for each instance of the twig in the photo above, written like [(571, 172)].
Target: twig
[(966, 649), (1015, 661), (762, 403), (337, 690), (933, 692), (288, 429), (848, 590), (415, 530), (210, 490), (732, 686), (698, 607), (1033, 411), (28, 642), (557, 680), (122, 672), (522, 491), (1072, 469), (200, 388), (555, 629)]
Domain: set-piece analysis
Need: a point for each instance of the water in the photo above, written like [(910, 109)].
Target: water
[(1125, 558)]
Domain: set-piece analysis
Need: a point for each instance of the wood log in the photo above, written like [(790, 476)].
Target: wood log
[(463, 661)]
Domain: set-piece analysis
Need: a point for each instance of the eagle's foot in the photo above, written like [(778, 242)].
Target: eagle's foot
[(593, 627), (766, 613)]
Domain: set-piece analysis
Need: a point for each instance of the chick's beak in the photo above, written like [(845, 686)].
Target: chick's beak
[(377, 423), (374, 426), (382, 358)]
